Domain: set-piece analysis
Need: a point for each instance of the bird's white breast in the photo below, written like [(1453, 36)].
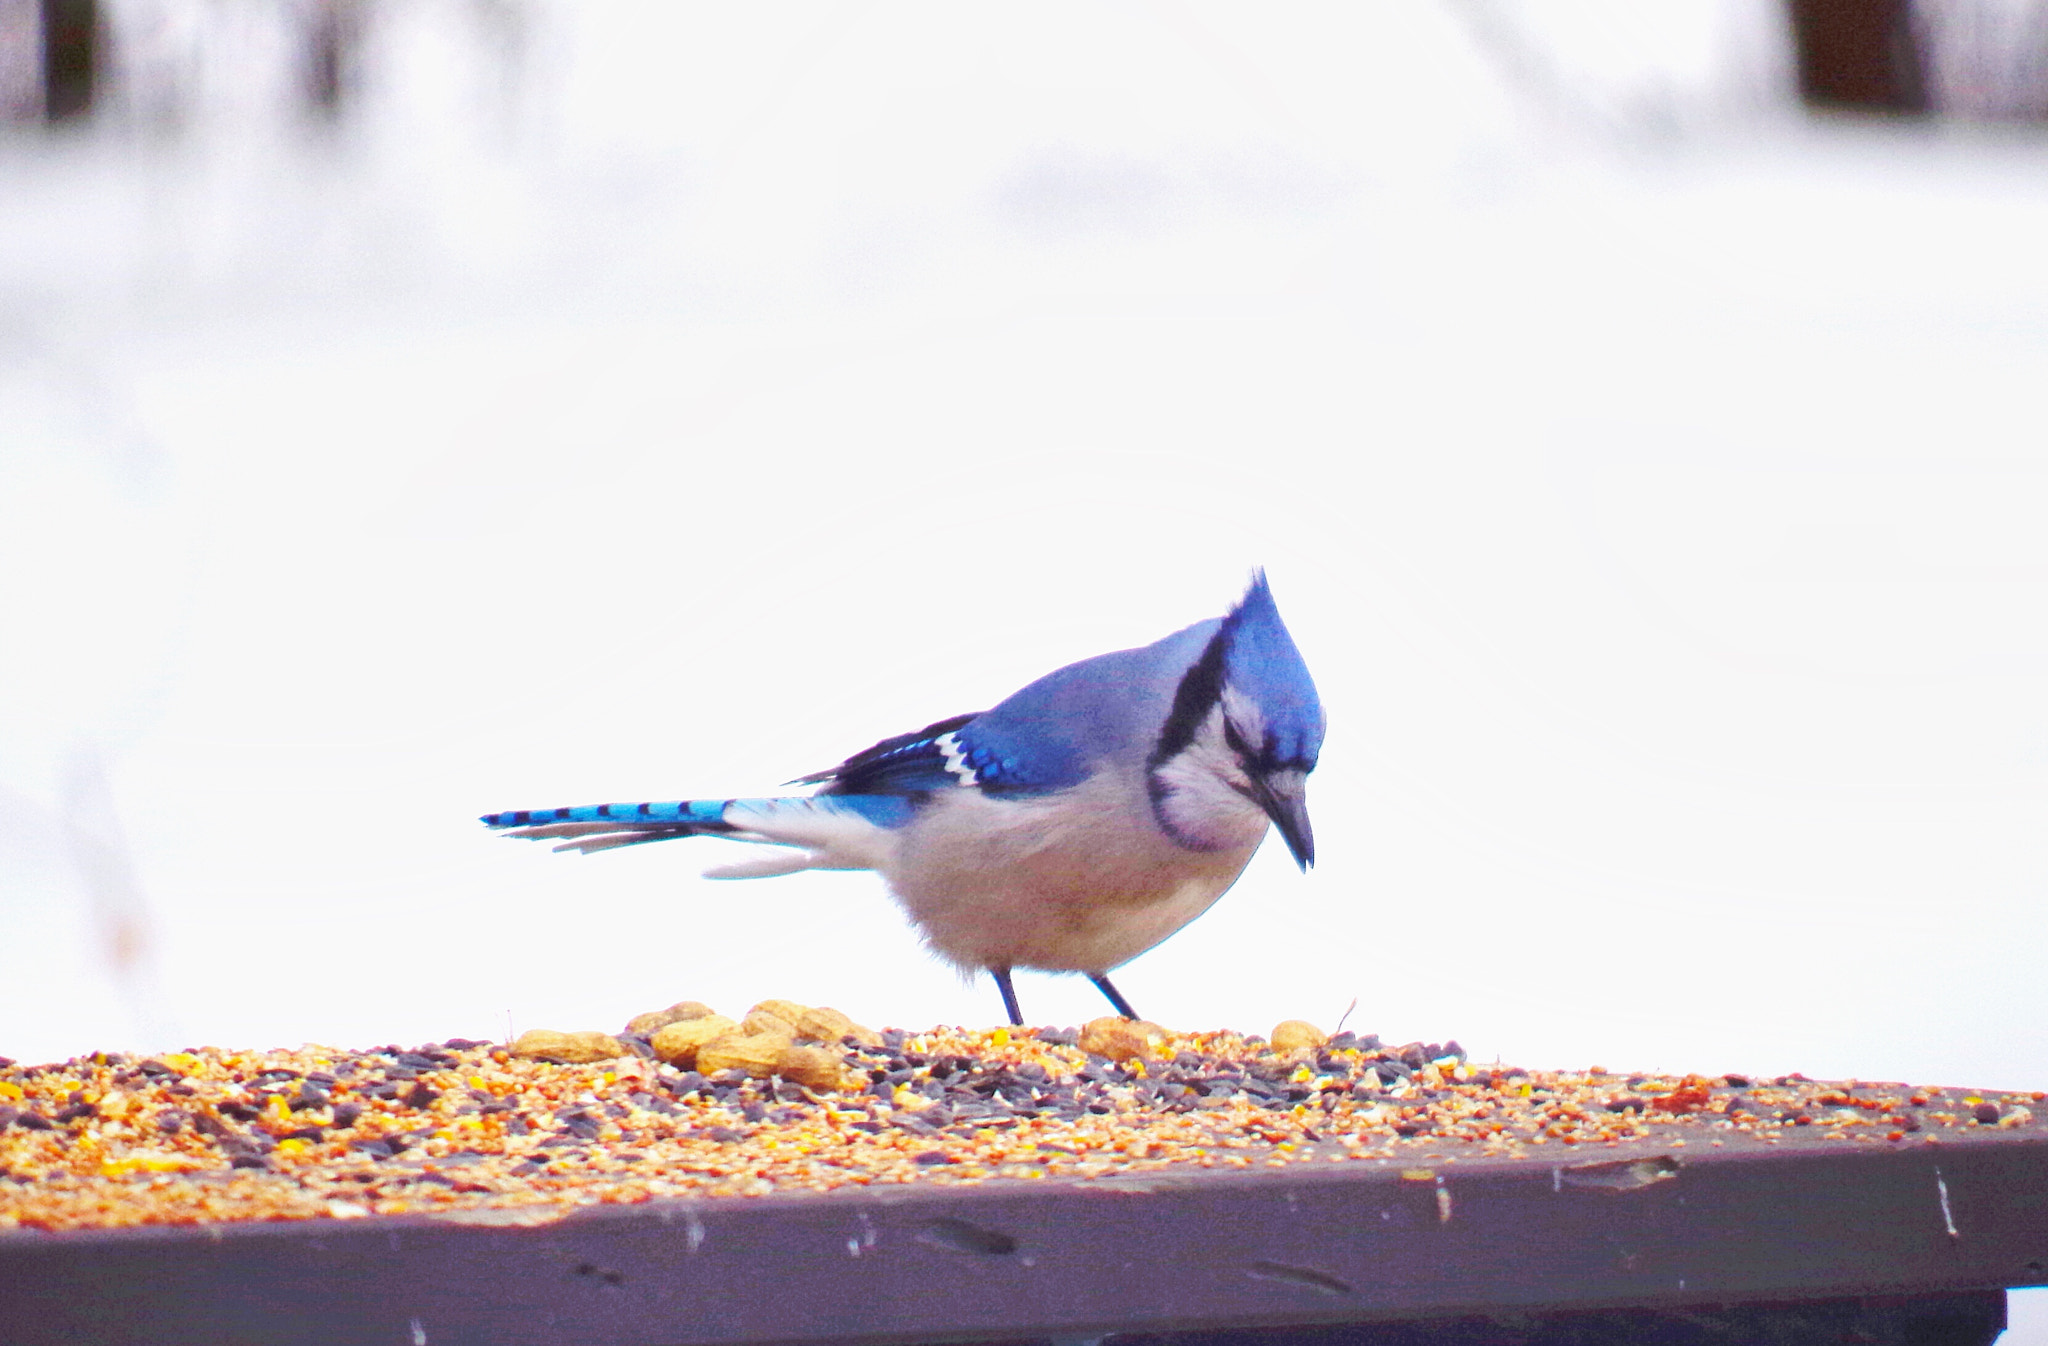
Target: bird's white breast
[(1082, 880)]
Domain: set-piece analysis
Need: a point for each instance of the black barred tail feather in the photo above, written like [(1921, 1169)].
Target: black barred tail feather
[(833, 832), (682, 812), (603, 827)]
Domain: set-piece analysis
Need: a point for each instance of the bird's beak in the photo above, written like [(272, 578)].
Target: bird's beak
[(1289, 811)]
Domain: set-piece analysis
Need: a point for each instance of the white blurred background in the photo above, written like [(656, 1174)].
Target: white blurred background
[(413, 410)]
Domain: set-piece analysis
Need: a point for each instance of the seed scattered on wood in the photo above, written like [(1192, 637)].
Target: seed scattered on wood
[(1692, 1094), (539, 1136)]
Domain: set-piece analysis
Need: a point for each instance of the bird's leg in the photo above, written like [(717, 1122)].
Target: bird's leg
[(1116, 997), (1002, 976)]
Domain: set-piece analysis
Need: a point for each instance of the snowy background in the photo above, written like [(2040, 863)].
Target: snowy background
[(638, 401)]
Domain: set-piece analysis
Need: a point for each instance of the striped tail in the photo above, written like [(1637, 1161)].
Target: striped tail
[(834, 831), (601, 827)]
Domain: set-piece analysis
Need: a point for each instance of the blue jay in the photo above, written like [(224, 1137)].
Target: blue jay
[(1073, 827)]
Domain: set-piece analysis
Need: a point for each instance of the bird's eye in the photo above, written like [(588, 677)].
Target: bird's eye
[(1236, 742)]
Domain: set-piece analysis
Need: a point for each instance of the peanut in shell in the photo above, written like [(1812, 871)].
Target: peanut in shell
[(1121, 1039), (1293, 1034), (545, 1044), (652, 1022), (825, 1024), (755, 1053), (680, 1044)]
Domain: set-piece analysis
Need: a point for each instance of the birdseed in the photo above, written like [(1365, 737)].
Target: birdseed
[(468, 1130)]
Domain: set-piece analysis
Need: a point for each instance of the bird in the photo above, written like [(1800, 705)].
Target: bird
[(1077, 824)]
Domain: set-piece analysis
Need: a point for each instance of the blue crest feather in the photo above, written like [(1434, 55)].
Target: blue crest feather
[(1260, 661)]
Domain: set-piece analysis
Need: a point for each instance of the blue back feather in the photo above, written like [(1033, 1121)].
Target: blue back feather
[(1051, 734)]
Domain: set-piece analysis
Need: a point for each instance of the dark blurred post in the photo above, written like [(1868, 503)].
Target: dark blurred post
[(21, 60), (1859, 55), (334, 37), (71, 51)]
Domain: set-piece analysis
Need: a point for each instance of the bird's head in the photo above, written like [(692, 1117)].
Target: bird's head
[(1242, 736)]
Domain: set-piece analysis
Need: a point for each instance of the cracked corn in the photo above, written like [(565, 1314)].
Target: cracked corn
[(470, 1130)]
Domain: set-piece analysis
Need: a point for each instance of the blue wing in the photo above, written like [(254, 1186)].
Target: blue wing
[(919, 762), (946, 755)]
